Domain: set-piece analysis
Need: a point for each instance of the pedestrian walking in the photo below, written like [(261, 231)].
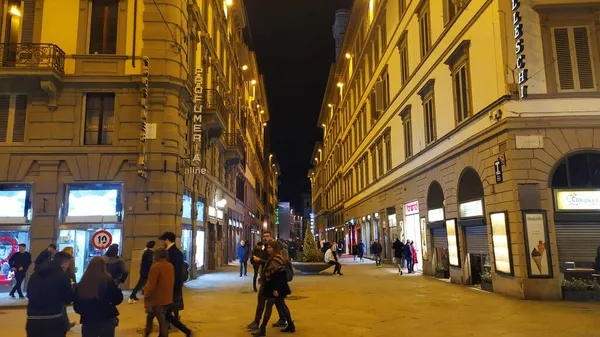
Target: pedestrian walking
[(158, 292), (96, 300), (276, 287), (414, 255), (19, 262), (243, 256), (355, 251), (361, 250), (115, 265), (398, 248), (340, 248), (257, 251), (260, 306), (71, 273), (331, 259), (45, 255), (408, 257), (292, 249), (377, 249), (144, 270), (49, 290), (176, 259)]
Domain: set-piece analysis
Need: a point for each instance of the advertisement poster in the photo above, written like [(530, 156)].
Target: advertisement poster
[(538, 248)]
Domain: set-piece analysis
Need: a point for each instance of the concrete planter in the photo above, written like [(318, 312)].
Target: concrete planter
[(577, 295), (596, 296), (487, 287), (310, 267)]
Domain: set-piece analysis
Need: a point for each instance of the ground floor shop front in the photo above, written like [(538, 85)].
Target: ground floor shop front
[(517, 207)]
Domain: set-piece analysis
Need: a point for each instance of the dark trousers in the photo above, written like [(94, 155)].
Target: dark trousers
[(282, 308), (19, 276), (409, 264), (173, 318), (66, 320), (163, 325), (99, 329), (243, 267), (45, 327), (338, 267), (260, 307), (255, 276), (139, 286), (378, 259)]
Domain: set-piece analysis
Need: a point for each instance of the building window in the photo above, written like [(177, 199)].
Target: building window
[(451, 9), (380, 157), (403, 48), (401, 8), (99, 118), (388, 149), (103, 27), (574, 65), (374, 162), (13, 114), (407, 128), (424, 29), (427, 97), (461, 81)]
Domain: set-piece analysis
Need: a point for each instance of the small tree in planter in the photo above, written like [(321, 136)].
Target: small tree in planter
[(576, 290), (312, 257), (486, 281), (440, 270)]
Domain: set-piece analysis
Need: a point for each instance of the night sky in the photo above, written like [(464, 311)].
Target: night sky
[(294, 44)]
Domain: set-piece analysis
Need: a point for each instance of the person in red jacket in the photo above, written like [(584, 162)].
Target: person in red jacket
[(414, 253)]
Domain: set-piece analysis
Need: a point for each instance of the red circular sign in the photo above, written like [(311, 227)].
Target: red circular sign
[(101, 239)]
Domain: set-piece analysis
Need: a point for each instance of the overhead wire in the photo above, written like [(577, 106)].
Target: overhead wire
[(166, 24)]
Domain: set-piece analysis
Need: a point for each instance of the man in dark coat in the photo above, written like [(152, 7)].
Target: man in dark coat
[(147, 259), (377, 249), (398, 248), (176, 259), (45, 255), (408, 256), (19, 262)]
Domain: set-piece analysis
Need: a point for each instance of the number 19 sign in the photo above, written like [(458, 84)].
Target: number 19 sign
[(101, 239)]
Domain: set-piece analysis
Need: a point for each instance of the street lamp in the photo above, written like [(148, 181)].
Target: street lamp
[(348, 56), (244, 67)]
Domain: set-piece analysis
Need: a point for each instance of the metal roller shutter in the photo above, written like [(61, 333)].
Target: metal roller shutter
[(440, 237), (477, 240), (577, 242)]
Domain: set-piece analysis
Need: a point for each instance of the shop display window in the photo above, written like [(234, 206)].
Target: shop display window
[(186, 245), (187, 207), (95, 201), (199, 249), (9, 244), (15, 203)]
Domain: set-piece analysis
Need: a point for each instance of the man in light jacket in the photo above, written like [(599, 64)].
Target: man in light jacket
[(331, 259)]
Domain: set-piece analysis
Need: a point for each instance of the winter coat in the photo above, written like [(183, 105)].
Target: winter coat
[(176, 259), (49, 290), (398, 247), (159, 288), (376, 248), (116, 268), (276, 279), (414, 253), (258, 253), (44, 256), (146, 264), (242, 253), (407, 251), (20, 260), (102, 308)]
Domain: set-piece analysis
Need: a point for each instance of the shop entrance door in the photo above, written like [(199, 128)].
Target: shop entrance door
[(81, 241), (412, 230)]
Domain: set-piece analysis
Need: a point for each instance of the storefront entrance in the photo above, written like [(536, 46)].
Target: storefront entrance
[(10, 238), (412, 231), (81, 241)]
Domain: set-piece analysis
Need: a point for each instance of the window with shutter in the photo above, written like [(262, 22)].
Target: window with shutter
[(4, 110), (19, 119), (103, 27), (574, 66), (424, 29), (403, 49), (379, 98)]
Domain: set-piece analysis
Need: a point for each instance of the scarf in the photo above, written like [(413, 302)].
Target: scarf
[(274, 265)]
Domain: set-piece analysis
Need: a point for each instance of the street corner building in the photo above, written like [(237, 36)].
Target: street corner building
[(471, 128), (136, 117)]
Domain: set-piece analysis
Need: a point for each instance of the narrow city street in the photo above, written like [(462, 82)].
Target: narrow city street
[(366, 301)]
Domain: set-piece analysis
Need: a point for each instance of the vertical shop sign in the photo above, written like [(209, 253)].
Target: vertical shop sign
[(197, 118), (519, 49), (142, 169)]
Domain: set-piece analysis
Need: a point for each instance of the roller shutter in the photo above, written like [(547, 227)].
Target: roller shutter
[(477, 240), (440, 237), (577, 241)]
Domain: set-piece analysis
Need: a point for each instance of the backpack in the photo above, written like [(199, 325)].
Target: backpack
[(289, 272), (185, 274)]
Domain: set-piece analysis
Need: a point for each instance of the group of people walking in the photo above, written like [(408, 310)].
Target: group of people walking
[(405, 255), (95, 297)]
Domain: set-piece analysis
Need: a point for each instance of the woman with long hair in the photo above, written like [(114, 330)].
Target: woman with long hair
[(96, 300), (276, 287)]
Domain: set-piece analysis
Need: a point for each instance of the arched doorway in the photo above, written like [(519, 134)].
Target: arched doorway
[(436, 224), (575, 184), (471, 220)]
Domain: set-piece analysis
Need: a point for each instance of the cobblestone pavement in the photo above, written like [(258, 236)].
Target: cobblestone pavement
[(366, 301)]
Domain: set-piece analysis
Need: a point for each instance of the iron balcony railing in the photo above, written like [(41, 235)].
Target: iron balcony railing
[(212, 102), (32, 55), (234, 141)]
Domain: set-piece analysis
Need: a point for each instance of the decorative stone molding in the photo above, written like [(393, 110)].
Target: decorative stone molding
[(52, 91)]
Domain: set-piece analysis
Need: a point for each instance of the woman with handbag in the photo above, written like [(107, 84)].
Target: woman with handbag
[(96, 300), (276, 287)]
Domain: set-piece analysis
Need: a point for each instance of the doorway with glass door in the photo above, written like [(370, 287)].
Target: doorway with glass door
[(81, 241)]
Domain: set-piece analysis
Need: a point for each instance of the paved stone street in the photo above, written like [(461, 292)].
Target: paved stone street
[(366, 301)]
